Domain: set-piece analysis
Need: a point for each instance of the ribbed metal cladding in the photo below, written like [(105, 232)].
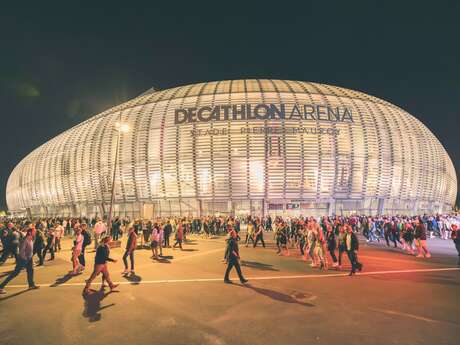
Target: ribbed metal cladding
[(384, 157)]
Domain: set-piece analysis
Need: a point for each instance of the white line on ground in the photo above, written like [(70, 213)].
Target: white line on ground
[(412, 316), (408, 258), (220, 279)]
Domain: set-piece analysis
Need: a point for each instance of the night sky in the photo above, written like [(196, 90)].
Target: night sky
[(62, 64)]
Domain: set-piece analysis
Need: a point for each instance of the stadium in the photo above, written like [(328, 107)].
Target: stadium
[(239, 147)]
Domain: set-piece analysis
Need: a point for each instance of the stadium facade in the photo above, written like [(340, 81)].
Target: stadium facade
[(240, 147)]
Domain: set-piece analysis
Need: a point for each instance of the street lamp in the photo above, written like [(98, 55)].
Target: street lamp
[(120, 127)]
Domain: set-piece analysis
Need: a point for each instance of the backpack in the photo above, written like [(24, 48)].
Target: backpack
[(86, 239)]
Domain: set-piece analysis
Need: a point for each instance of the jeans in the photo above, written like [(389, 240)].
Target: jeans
[(167, 240), (233, 262), (20, 264), (332, 252), (353, 260), (261, 238), (131, 258), (178, 242), (57, 244), (7, 251), (81, 257), (102, 268), (249, 238), (49, 247), (39, 252), (115, 234), (342, 249), (373, 236)]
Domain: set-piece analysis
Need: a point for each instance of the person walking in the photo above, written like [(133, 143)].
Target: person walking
[(455, 236), (99, 229), (331, 244), (420, 239), (129, 251), (116, 229), (59, 233), (341, 245), (233, 258), (352, 245), (154, 241), (7, 235), (100, 265), (39, 245), (259, 235), (86, 242), (161, 235), (14, 242), (249, 233), (167, 234), (179, 236), (76, 251), (50, 238), (26, 250)]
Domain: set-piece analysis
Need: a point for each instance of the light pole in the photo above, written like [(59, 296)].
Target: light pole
[(120, 128)]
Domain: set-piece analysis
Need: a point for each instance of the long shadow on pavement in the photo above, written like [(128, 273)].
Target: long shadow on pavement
[(277, 296), (92, 304), (62, 280), (14, 295), (133, 278), (258, 265)]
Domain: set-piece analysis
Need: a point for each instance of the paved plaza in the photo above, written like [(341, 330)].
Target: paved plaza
[(181, 299)]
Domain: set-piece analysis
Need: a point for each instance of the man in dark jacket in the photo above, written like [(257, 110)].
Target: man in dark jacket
[(352, 244), (39, 245), (233, 257), (167, 234), (86, 242)]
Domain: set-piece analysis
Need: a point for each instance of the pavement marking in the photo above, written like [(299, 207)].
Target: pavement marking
[(408, 259), (412, 316), (220, 279)]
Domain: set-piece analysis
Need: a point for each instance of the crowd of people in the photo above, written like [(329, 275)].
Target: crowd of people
[(320, 241)]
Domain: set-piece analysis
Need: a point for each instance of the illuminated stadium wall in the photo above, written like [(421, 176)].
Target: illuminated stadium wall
[(239, 147)]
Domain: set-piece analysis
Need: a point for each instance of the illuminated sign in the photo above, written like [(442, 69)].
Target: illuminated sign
[(262, 111), (292, 206)]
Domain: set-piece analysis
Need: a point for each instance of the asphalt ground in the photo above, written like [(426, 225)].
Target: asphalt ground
[(181, 299)]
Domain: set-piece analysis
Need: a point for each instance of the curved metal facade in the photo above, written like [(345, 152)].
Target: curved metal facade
[(259, 146)]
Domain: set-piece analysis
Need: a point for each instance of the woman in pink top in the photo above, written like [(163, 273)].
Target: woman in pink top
[(155, 239), (76, 251)]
